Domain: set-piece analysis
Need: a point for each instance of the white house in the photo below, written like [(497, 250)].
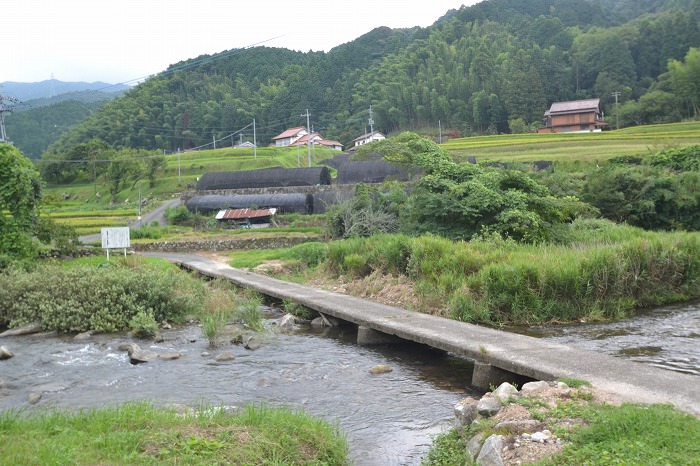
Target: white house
[(367, 138), (300, 137), (289, 136)]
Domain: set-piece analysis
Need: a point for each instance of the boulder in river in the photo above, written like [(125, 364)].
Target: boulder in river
[(5, 353), (24, 330)]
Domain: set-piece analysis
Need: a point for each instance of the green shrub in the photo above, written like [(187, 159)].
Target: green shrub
[(311, 254), (143, 325), (106, 299)]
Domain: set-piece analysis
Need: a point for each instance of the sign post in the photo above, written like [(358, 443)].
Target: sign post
[(115, 238)]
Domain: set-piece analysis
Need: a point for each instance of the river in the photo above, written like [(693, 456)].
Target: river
[(389, 419)]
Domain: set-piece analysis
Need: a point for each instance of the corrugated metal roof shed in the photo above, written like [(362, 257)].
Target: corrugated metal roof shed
[(242, 214)]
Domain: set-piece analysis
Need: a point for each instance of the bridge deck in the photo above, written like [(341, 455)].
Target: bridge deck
[(519, 354)]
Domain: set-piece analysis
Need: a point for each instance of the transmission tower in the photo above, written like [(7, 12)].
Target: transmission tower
[(5, 108)]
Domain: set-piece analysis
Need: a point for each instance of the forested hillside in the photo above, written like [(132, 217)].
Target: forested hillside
[(40, 122), (491, 68)]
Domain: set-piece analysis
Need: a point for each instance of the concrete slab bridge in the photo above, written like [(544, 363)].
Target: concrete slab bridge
[(498, 356)]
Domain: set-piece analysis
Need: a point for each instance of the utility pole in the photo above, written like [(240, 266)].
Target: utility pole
[(308, 130), (616, 94), (255, 143), (3, 110)]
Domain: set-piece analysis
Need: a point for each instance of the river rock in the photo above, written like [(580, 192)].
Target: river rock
[(83, 336), (170, 355), (5, 353), (324, 321), (138, 355), (490, 454), (3, 384), (225, 356), (286, 322), (474, 444), (380, 369), (533, 387), (519, 426), (488, 406), (465, 412), (541, 437), (34, 398), (505, 392), (251, 343), (24, 330)]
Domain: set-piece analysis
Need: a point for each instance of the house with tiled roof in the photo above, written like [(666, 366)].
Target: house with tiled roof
[(300, 137), (289, 136), (575, 116)]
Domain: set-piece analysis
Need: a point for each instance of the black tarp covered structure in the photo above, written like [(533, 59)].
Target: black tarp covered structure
[(325, 199), (285, 202), (264, 178), (370, 171)]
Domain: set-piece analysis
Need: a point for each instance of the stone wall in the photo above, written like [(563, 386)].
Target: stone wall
[(221, 244)]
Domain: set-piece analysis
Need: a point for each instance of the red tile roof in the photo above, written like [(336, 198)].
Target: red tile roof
[(290, 133)]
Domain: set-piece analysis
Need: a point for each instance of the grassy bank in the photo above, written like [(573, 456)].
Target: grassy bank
[(591, 432), (602, 271), (143, 434)]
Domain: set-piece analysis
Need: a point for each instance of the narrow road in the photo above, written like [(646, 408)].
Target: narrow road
[(155, 215)]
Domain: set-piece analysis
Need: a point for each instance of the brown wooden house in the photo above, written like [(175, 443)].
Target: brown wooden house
[(576, 116)]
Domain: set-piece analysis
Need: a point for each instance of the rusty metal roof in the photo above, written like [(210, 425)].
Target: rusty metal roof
[(242, 214)]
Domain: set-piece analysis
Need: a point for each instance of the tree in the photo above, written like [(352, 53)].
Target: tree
[(20, 195), (685, 79), (465, 200)]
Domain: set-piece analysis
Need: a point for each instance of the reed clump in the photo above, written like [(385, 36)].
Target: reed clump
[(599, 270)]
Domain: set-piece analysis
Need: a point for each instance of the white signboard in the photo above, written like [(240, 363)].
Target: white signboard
[(113, 238)]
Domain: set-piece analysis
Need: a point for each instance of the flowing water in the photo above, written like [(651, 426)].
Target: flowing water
[(389, 419), (666, 337)]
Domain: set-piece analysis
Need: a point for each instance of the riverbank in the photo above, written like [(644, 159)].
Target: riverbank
[(564, 423), (140, 433)]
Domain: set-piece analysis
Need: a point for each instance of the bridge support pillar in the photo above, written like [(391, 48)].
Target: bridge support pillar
[(367, 336), (485, 376)]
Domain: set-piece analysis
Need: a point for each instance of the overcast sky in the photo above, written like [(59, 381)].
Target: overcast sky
[(124, 41)]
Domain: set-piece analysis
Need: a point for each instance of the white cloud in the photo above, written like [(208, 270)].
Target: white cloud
[(97, 40)]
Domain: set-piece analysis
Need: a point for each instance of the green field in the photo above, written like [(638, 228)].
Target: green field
[(78, 205), (585, 147)]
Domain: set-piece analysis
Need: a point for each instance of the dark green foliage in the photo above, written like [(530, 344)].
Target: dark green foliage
[(20, 195), (33, 130), (448, 449), (661, 193), (474, 70), (101, 299), (680, 160), (179, 215), (371, 211)]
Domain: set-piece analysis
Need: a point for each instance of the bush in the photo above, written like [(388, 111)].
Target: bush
[(311, 254), (143, 324), (83, 298)]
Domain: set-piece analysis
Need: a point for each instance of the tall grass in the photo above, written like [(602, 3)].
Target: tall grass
[(606, 271)]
